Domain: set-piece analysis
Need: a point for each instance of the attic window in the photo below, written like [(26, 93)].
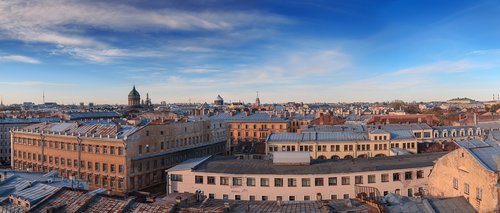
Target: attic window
[(462, 154)]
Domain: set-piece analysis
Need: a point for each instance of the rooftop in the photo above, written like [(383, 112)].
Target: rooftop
[(231, 165), (334, 136), (486, 152), (73, 128)]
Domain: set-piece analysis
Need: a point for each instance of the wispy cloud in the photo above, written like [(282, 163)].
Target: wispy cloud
[(446, 67), (66, 23), (18, 58), (32, 83)]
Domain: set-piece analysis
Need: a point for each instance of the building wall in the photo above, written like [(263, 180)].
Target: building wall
[(327, 191), (5, 140), (169, 145), (461, 167), (256, 131), (124, 169), (343, 149)]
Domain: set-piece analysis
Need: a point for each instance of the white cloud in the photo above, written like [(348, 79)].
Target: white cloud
[(64, 23), (32, 83), (446, 67), (19, 58)]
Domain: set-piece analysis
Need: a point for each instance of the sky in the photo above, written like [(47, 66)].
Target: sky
[(303, 51)]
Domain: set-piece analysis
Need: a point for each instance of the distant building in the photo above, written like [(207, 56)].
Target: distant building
[(471, 171), (219, 101), (342, 145), (251, 127), (134, 98), (429, 119)]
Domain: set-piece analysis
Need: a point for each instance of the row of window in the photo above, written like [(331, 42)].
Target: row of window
[(304, 182), (479, 190), (90, 166), (337, 148), (172, 144), (97, 149), (308, 197), (260, 126)]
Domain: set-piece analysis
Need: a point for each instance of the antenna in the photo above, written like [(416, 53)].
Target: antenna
[(43, 97)]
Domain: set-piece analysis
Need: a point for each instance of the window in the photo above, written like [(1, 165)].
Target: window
[(333, 197), (224, 181), (250, 181), (346, 181), (252, 197), (292, 182), (408, 175), (410, 192), (264, 198), (420, 174), (175, 177), (211, 180), (479, 193), (455, 183), (358, 180), (211, 196), (396, 177), (466, 188), (306, 182), (346, 196), (384, 178), (291, 198), (225, 197), (332, 181), (307, 198), (318, 182), (198, 179), (278, 182), (371, 178), (237, 181), (264, 182), (237, 197)]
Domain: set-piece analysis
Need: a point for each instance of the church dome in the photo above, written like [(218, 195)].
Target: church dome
[(134, 93)]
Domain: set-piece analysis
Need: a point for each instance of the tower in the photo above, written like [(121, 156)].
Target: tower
[(219, 101), (257, 100), (134, 98)]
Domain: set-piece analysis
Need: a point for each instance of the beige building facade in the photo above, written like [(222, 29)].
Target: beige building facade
[(232, 179), (342, 145), (470, 171)]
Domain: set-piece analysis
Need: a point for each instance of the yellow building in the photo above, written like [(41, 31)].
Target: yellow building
[(339, 145)]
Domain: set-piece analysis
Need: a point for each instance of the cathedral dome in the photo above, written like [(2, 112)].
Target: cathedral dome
[(134, 93)]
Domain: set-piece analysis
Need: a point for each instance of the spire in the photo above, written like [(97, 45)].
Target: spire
[(43, 97), (1, 101)]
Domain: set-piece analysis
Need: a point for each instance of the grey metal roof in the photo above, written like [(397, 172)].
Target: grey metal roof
[(486, 152), (90, 115), (231, 165), (332, 136), (27, 120), (189, 164), (336, 128), (36, 193), (456, 128)]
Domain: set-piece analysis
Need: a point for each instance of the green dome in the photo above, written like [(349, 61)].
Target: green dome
[(134, 93)]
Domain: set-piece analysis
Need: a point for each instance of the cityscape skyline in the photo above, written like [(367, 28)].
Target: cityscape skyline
[(302, 52)]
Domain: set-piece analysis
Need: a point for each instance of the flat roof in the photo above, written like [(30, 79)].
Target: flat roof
[(231, 165)]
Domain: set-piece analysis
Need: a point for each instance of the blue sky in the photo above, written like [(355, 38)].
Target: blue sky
[(310, 51)]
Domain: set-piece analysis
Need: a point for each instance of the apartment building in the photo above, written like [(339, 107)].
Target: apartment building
[(471, 171), (120, 158), (234, 179), (342, 145), (6, 124), (251, 127)]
